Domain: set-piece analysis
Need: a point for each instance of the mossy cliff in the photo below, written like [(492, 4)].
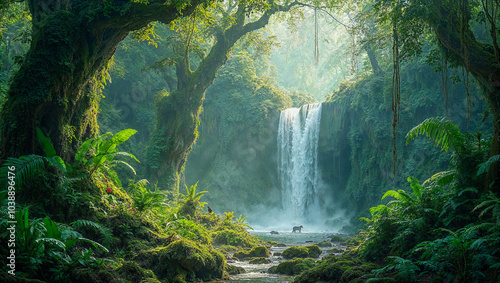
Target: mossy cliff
[(236, 153)]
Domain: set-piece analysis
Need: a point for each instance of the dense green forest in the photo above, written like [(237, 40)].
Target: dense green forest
[(145, 140)]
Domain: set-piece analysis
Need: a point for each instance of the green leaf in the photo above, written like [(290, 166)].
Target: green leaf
[(114, 176), (82, 150), (119, 138), (128, 154), (45, 143), (52, 229), (485, 166), (392, 193), (415, 186), (126, 164), (442, 132), (57, 162)]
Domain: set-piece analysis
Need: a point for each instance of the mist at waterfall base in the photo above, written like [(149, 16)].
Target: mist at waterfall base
[(305, 199)]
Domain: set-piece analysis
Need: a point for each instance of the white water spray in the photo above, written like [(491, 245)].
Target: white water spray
[(298, 135)]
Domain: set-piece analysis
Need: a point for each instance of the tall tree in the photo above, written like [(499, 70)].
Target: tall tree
[(178, 111), (57, 85), (456, 24)]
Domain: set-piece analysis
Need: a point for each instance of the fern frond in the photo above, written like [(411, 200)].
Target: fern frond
[(142, 182), (392, 193), (82, 223), (26, 168), (442, 132), (485, 166), (441, 178)]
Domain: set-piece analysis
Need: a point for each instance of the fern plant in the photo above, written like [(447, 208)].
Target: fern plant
[(145, 200), (190, 202), (442, 132), (45, 238), (240, 221)]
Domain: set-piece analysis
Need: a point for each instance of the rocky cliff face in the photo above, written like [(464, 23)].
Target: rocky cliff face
[(235, 158)]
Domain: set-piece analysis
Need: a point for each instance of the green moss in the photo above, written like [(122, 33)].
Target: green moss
[(183, 260), (233, 270), (324, 244), (191, 230), (259, 260), (295, 252), (338, 271), (93, 274), (302, 252), (295, 266), (131, 271), (234, 237), (259, 251), (336, 238), (225, 249)]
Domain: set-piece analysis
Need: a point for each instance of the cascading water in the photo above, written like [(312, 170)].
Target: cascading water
[(298, 135)]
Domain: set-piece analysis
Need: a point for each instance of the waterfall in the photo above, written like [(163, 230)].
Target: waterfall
[(298, 135)]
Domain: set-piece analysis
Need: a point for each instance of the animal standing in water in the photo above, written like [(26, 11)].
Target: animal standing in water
[(209, 209), (297, 228)]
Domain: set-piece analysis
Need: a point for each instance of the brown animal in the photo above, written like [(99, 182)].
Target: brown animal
[(297, 228), (209, 209)]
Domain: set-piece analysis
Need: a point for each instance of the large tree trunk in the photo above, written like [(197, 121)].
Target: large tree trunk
[(480, 59), (178, 113), (56, 87)]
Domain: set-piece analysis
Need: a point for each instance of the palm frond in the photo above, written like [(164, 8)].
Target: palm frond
[(442, 132)]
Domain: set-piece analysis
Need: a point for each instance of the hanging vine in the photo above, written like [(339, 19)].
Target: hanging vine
[(396, 91), (444, 84), (316, 34)]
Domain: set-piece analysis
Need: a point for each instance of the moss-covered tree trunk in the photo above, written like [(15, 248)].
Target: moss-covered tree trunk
[(56, 87), (178, 112), (482, 60)]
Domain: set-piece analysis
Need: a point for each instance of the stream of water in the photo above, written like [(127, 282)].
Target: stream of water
[(258, 272)]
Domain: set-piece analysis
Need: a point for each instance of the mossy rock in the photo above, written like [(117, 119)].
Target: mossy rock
[(233, 237), (183, 260), (329, 257), (150, 280), (281, 245), (337, 239), (227, 249), (259, 260), (337, 271), (334, 251), (324, 244), (132, 272), (208, 219), (259, 251), (233, 270), (96, 274), (294, 266), (272, 270), (312, 251)]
